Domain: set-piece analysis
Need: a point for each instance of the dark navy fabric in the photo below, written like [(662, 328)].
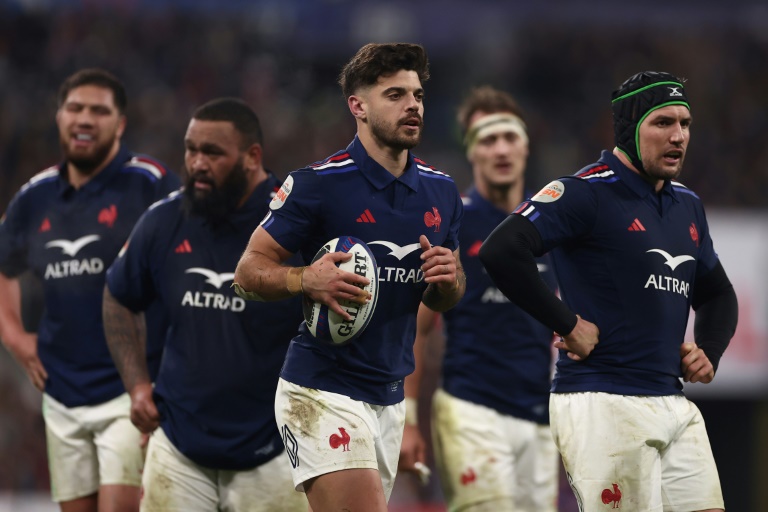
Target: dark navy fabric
[(349, 194), (68, 237), (217, 382), (496, 354), (626, 259)]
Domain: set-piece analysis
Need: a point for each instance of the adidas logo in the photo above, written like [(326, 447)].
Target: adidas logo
[(183, 247), (636, 226), (45, 226), (366, 217)]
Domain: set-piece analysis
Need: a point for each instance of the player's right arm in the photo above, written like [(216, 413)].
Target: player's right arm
[(20, 343), (261, 275), (413, 447), (508, 255), (126, 336)]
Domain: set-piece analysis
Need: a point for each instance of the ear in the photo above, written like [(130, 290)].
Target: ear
[(121, 126), (358, 106), (253, 156)]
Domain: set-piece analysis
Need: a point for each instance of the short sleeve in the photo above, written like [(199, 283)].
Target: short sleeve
[(563, 210), (129, 278), (13, 239), (294, 210)]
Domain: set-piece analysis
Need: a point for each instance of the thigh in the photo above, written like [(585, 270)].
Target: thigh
[(266, 488), (324, 432), (610, 446), (118, 443), (389, 436), (689, 475), (536, 468), (72, 458), (473, 457), (173, 483)]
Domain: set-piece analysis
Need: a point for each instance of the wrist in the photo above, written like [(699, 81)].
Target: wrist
[(294, 280), (411, 411)]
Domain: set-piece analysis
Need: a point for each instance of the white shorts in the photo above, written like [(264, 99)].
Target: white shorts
[(174, 483), (90, 446), (639, 453), (486, 456), (325, 432)]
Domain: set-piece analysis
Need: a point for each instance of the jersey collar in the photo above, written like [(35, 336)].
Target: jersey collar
[(98, 182), (633, 180), (378, 175)]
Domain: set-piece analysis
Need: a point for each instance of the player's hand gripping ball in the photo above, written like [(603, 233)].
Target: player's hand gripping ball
[(328, 326)]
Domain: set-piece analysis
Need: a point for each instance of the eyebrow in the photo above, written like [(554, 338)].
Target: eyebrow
[(401, 90)]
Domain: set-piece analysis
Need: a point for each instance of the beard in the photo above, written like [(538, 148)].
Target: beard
[(390, 136), (220, 201), (86, 163), (660, 172)]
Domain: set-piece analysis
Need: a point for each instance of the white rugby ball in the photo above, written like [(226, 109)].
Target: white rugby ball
[(328, 326)]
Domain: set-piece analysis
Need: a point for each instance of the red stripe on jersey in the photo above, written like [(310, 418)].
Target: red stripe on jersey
[(153, 163), (593, 170)]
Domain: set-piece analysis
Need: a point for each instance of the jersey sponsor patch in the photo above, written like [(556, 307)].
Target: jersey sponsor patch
[(550, 193), (282, 195)]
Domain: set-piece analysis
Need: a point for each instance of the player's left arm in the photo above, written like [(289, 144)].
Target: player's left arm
[(444, 274), (717, 312)]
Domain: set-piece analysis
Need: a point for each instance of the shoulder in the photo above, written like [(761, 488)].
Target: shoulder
[(145, 166), (40, 180), (431, 172), (596, 173), (338, 163), (684, 191), (167, 205)]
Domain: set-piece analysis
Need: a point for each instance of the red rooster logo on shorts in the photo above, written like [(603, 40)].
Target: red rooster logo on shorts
[(433, 219), (340, 440), (612, 496)]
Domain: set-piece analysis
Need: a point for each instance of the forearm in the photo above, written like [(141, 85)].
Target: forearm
[(508, 256), (717, 313), (126, 336), (11, 324), (258, 277), (440, 297)]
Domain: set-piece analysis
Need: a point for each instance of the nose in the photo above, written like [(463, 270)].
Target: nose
[(196, 162), (678, 134), (413, 104)]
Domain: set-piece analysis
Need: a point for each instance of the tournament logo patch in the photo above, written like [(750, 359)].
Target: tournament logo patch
[(282, 195), (550, 193)]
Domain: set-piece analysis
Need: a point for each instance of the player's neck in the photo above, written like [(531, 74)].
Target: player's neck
[(392, 159), (257, 178), (78, 177), (505, 197)]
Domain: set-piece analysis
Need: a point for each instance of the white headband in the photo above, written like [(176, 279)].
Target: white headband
[(492, 124)]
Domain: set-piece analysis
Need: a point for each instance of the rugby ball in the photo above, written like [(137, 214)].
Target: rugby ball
[(326, 325)]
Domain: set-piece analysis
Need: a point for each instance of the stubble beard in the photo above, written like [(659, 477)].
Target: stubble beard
[(660, 172), (87, 163), (391, 137)]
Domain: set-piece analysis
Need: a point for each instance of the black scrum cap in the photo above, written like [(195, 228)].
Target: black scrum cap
[(637, 97)]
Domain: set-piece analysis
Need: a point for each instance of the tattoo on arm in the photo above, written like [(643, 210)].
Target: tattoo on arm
[(126, 335)]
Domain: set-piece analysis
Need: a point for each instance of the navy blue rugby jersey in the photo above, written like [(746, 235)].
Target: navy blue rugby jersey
[(496, 354), (68, 238), (216, 387), (349, 194), (627, 260)]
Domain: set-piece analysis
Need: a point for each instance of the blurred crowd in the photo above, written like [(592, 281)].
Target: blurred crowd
[(561, 72)]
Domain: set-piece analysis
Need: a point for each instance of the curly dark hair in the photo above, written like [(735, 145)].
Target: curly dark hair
[(98, 77), (375, 60)]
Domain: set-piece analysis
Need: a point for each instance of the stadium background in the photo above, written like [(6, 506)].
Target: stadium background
[(561, 59)]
